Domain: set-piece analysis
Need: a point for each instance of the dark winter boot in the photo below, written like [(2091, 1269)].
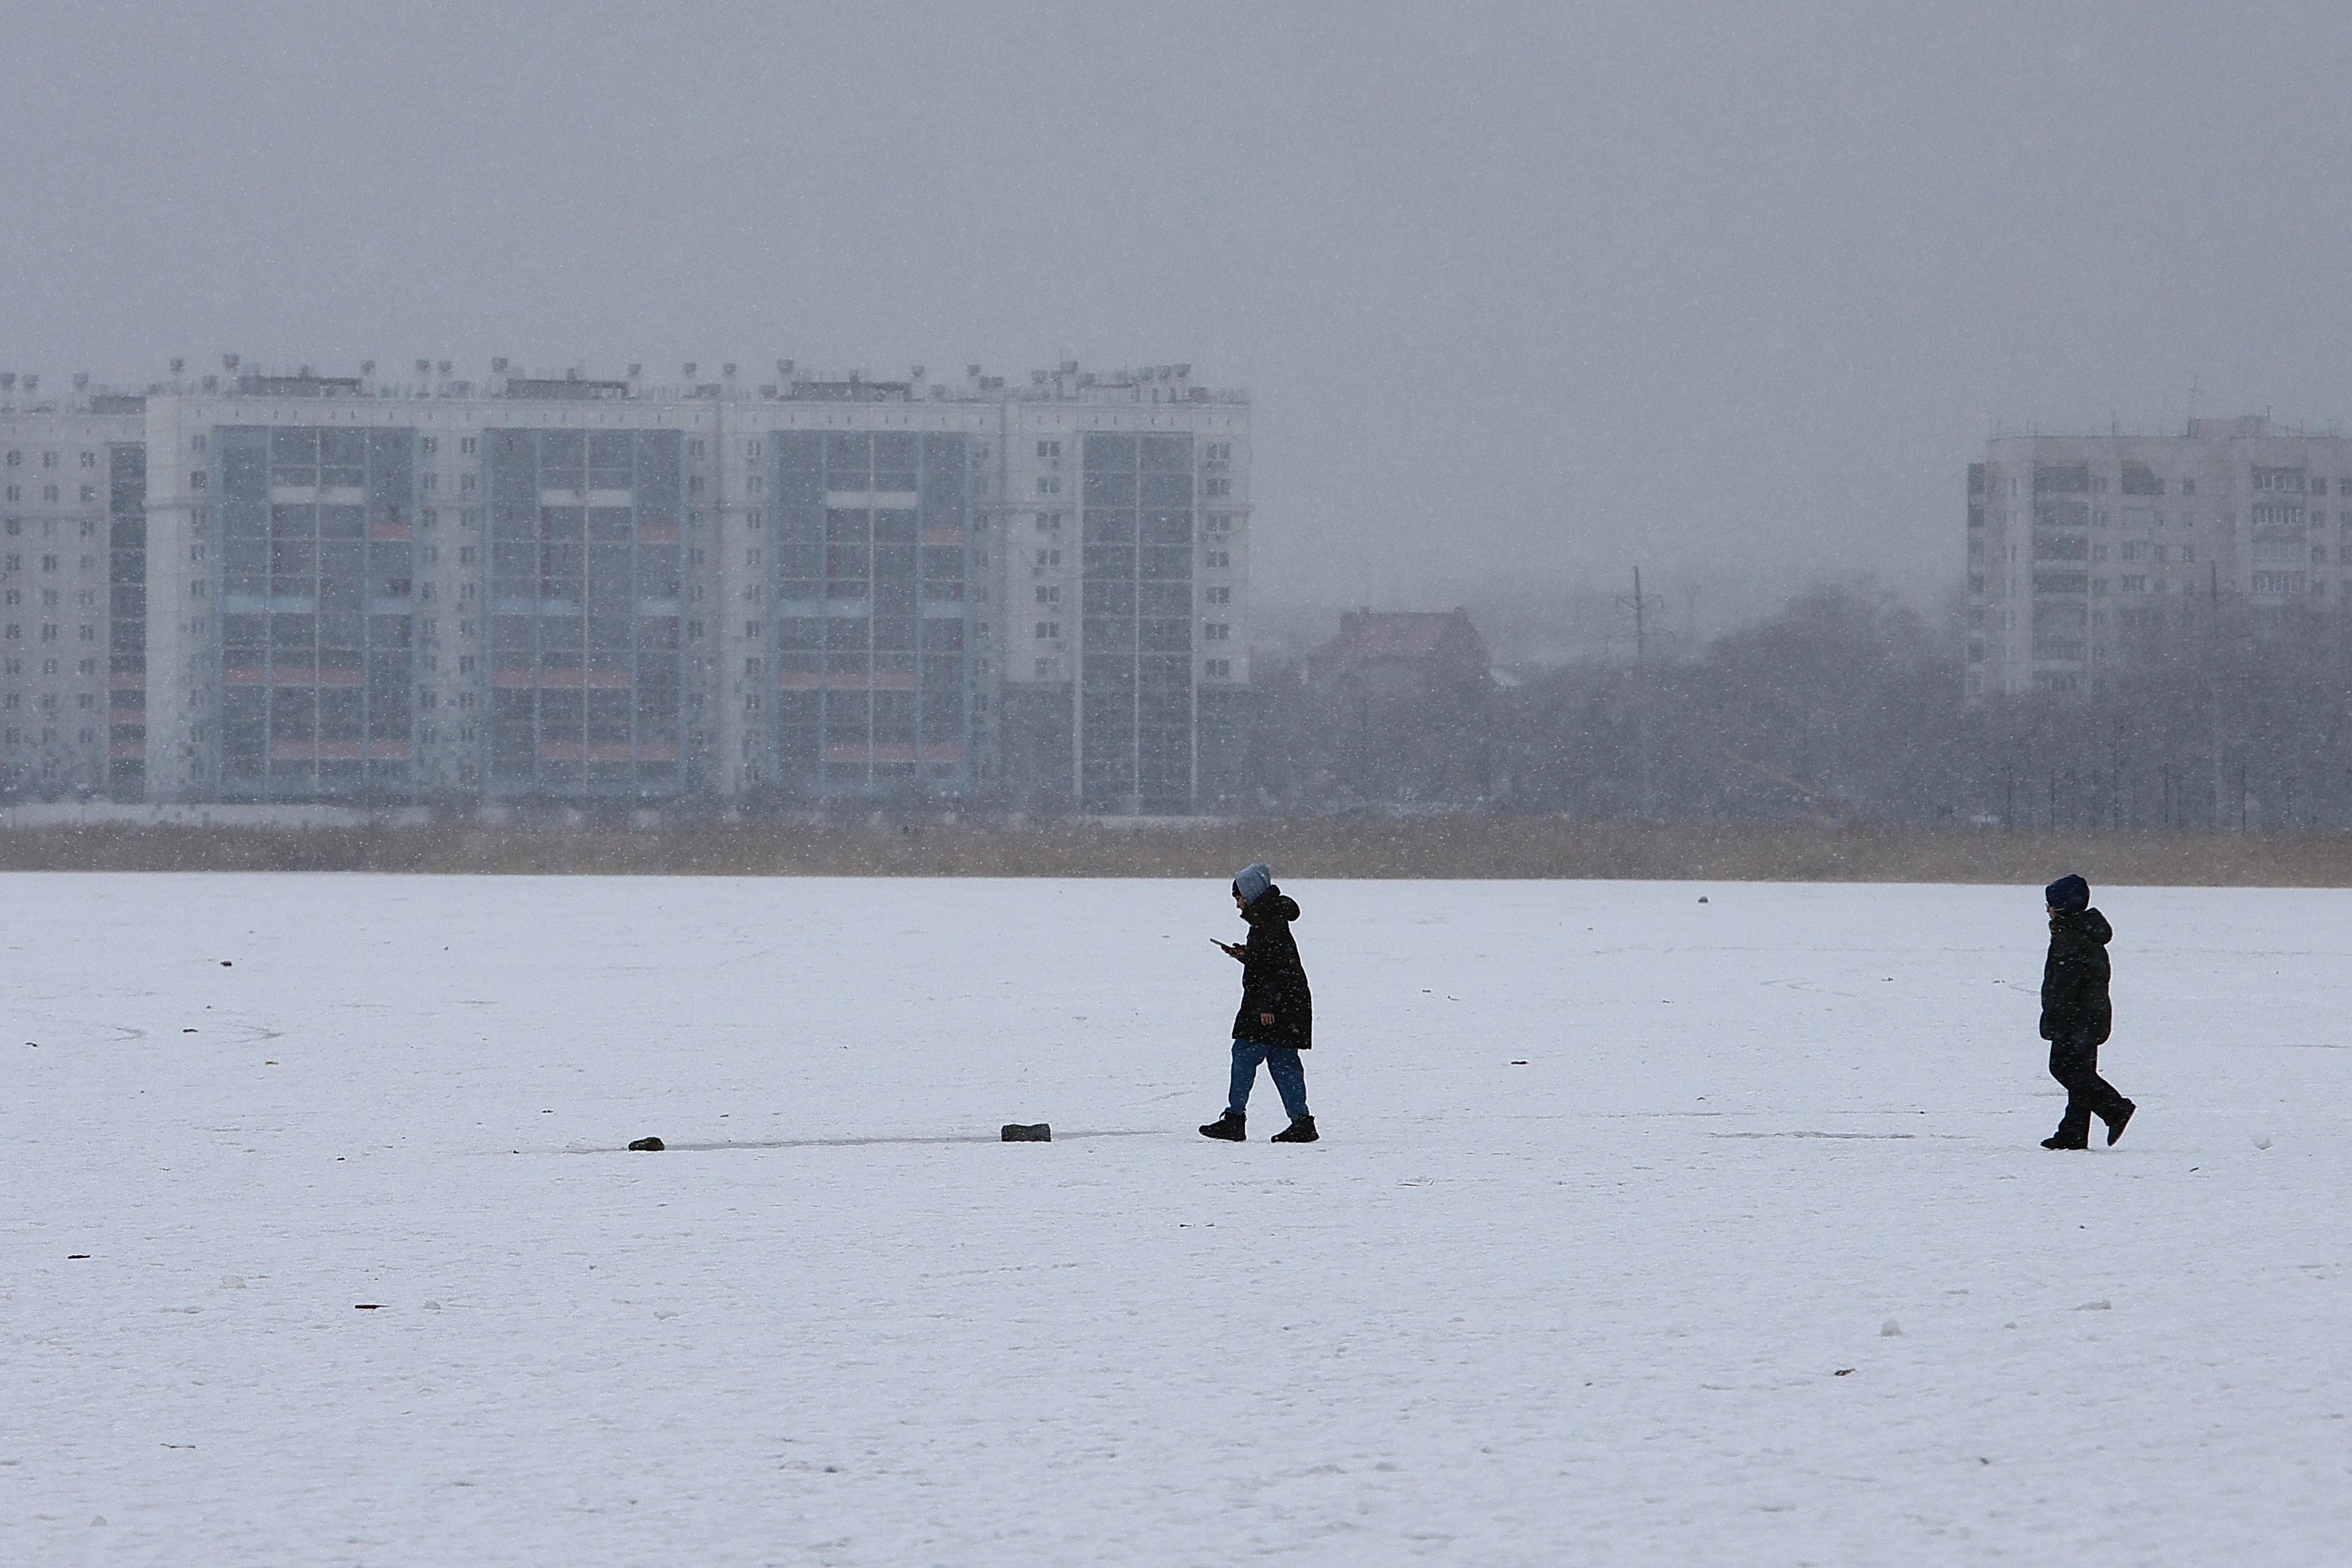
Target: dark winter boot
[(2116, 1123), (1300, 1131), (1227, 1127), (2060, 1140)]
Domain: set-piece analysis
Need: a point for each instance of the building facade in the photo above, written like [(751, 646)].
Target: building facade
[(343, 589), (2075, 543)]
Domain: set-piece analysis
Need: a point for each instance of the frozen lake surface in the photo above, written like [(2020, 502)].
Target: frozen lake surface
[(1754, 1260)]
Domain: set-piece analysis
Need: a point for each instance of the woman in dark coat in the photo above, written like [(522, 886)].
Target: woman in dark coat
[(1276, 1020)]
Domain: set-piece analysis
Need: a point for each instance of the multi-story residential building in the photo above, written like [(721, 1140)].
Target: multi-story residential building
[(2075, 543), (69, 565), (343, 589)]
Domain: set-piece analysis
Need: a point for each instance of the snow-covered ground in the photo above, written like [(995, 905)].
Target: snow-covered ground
[(1643, 1230)]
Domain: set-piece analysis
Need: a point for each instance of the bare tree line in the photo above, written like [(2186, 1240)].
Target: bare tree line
[(1847, 705)]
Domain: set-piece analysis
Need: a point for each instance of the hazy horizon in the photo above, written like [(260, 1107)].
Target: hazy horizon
[(1523, 295)]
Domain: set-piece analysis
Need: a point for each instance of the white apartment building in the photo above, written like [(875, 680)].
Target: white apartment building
[(70, 533), (2075, 543), (562, 588)]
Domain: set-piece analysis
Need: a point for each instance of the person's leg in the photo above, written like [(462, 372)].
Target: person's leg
[(1289, 1075), (2105, 1101), (2075, 1065), (1247, 1054)]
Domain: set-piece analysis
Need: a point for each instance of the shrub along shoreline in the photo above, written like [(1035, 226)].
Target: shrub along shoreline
[(1301, 851)]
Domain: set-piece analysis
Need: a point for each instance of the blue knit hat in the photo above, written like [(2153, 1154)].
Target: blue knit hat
[(1253, 881), (2068, 895)]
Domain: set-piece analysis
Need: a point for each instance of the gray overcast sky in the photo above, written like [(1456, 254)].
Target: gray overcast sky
[(1523, 293)]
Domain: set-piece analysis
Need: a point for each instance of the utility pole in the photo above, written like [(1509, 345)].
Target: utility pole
[(1641, 604), (2213, 677)]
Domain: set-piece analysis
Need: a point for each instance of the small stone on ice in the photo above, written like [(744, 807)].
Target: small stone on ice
[(232, 1282), (2263, 1141), (2102, 1305), (647, 1146), (1890, 1330), (432, 1306)]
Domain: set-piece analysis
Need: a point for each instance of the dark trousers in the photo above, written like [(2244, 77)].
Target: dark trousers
[(2075, 1062)]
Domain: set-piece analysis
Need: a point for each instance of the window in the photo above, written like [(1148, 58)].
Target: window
[(1049, 558), (1050, 450), (1221, 669), (48, 492), (1216, 486), (429, 445), (694, 448), (1049, 484), (1221, 595), (48, 563), (1049, 595), (1049, 630), (48, 459), (432, 481), (1216, 631), (466, 445), (16, 458), (1218, 559), (195, 443), (1047, 522)]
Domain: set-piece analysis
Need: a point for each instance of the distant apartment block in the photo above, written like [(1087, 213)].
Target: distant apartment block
[(2074, 543), (262, 587)]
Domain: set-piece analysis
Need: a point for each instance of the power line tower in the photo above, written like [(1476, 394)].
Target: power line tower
[(1642, 605)]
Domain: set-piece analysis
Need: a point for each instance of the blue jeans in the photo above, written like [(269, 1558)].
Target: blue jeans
[(1282, 1065)]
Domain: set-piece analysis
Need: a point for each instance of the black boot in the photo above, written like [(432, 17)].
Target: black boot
[(2061, 1140), (1300, 1131), (1227, 1127), (2116, 1124)]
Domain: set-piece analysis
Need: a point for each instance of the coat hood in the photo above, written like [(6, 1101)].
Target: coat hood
[(2089, 922), (1273, 904)]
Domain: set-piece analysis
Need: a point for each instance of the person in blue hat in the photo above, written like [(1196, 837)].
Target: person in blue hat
[(2078, 1014), (1276, 1020)]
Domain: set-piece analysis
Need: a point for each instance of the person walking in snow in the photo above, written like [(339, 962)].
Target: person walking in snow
[(2076, 1015), (1276, 1020)]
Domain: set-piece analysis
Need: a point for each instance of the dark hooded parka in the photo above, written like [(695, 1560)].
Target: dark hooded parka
[(2075, 1002), (1273, 979)]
